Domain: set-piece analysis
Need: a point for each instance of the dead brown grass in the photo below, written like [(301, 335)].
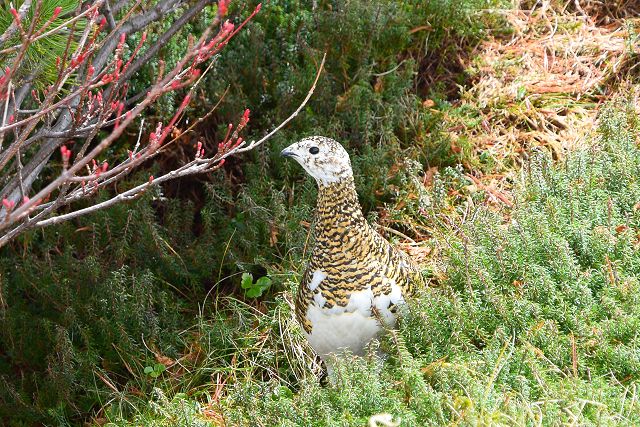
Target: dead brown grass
[(542, 86)]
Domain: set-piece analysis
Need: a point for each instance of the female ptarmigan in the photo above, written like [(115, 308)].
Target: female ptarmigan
[(355, 278)]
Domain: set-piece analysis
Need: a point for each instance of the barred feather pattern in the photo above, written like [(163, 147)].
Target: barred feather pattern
[(350, 258)]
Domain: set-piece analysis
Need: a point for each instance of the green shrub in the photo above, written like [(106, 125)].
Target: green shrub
[(535, 323), (118, 291)]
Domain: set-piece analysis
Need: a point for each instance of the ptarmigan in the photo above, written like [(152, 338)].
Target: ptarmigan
[(355, 279)]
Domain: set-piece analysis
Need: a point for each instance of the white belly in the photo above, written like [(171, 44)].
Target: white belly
[(351, 327), (333, 332)]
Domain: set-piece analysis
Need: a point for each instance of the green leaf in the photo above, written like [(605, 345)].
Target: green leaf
[(263, 283), (254, 292), (283, 391), (247, 281)]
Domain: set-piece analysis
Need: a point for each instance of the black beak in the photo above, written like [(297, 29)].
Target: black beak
[(286, 153)]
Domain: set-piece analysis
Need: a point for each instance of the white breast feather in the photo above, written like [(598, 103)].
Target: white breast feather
[(361, 302), (354, 325), (319, 299), (332, 332), (351, 327), (318, 276), (383, 302)]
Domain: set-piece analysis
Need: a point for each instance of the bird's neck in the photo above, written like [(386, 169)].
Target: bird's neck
[(338, 205)]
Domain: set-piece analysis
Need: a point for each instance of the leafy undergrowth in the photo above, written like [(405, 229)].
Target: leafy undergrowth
[(109, 294), (147, 314), (534, 322)]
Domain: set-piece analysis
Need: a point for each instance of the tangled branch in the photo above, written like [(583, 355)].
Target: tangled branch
[(91, 94)]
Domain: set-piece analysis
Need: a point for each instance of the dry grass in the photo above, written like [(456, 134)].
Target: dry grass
[(542, 85)]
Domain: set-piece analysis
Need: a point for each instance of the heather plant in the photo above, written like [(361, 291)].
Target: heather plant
[(115, 294), (376, 69), (534, 320), (142, 314)]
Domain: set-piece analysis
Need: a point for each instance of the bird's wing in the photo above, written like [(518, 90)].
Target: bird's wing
[(400, 268), (303, 296)]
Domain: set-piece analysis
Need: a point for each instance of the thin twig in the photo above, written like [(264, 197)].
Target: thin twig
[(196, 166), (293, 115)]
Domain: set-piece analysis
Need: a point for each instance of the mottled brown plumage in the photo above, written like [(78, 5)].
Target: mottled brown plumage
[(352, 254), (354, 279)]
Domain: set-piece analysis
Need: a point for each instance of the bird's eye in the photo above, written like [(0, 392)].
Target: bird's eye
[(314, 150)]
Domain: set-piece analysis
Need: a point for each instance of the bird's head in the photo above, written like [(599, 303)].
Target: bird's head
[(323, 158)]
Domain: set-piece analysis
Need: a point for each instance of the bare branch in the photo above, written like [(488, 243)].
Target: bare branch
[(196, 166), (165, 37), (88, 95)]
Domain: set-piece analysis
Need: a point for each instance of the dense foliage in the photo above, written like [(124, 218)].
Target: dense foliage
[(535, 321), (107, 292), (142, 312)]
